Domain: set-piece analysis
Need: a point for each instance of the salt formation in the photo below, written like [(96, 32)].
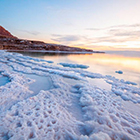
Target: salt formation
[(119, 72), (67, 111), (74, 65)]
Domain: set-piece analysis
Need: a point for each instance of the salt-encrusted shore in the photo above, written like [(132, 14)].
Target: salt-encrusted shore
[(15, 44), (57, 52), (75, 110)]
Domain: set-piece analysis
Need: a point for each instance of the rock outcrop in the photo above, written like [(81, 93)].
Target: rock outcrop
[(5, 33)]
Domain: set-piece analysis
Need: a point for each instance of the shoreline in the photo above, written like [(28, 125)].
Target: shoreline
[(61, 52)]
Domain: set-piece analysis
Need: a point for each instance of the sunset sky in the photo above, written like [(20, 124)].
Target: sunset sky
[(96, 24)]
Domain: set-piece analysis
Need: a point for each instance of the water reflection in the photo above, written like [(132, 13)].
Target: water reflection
[(41, 83), (42, 54), (105, 64)]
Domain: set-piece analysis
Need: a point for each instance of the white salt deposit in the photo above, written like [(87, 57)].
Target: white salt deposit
[(119, 72), (74, 65), (67, 111)]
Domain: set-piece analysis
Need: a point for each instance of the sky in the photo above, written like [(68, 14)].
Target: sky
[(94, 24)]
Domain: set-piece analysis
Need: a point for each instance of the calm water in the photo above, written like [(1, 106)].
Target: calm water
[(41, 83), (106, 64), (3, 80)]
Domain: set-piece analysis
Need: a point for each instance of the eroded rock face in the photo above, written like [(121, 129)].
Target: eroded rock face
[(5, 33)]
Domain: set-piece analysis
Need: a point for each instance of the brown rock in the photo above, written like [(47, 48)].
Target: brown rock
[(5, 33)]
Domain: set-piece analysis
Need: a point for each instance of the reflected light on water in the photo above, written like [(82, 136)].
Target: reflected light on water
[(107, 64), (128, 63), (104, 63)]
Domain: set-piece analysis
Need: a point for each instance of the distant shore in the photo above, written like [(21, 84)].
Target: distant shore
[(60, 52), (11, 43)]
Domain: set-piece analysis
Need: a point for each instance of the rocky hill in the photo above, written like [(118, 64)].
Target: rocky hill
[(12, 43), (5, 33)]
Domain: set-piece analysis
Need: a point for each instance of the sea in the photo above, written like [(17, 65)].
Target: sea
[(108, 63)]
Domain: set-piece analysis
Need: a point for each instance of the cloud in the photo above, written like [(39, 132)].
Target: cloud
[(110, 39), (65, 38), (95, 29), (31, 32), (126, 25), (114, 39), (113, 36), (117, 26), (117, 34), (125, 33)]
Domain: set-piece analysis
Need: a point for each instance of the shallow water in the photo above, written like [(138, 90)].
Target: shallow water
[(101, 82), (3, 80), (106, 64), (132, 108), (41, 83)]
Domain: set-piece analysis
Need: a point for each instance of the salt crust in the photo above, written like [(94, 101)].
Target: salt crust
[(51, 114), (74, 65)]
